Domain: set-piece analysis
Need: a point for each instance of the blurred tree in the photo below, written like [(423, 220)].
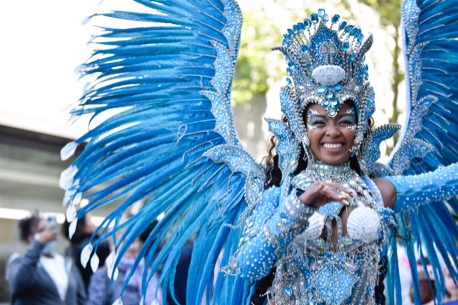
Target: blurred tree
[(257, 66), (390, 19)]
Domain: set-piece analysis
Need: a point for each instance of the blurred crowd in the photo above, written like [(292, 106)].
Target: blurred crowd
[(41, 276)]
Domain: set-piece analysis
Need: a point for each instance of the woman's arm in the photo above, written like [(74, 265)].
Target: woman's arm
[(402, 193), (269, 230), (276, 221)]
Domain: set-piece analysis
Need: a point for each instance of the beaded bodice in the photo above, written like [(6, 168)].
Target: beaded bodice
[(333, 211), (324, 256), (317, 269)]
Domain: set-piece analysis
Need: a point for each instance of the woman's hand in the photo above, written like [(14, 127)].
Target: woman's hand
[(321, 193)]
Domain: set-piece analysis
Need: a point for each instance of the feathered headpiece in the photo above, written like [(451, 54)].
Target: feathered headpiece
[(326, 63)]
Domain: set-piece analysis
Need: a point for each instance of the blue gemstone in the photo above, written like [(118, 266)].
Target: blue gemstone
[(288, 291), (304, 48), (300, 26), (288, 81), (326, 17), (314, 18), (354, 32), (328, 255), (335, 19), (349, 28), (338, 88), (346, 46), (321, 12), (352, 57), (307, 23), (288, 71), (360, 37), (290, 32), (322, 90), (284, 218), (250, 222), (342, 25)]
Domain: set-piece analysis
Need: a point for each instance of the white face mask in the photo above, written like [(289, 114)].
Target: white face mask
[(47, 248)]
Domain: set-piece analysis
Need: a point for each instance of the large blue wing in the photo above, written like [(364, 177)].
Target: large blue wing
[(172, 142), (429, 138)]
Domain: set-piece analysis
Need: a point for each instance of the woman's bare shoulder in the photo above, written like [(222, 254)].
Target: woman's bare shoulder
[(388, 192)]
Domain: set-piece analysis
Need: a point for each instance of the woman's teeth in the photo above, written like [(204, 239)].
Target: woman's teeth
[(333, 145)]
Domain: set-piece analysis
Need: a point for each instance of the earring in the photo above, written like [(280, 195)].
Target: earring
[(354, 151)]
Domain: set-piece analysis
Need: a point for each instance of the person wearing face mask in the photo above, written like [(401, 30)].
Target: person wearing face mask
[(41, 276)]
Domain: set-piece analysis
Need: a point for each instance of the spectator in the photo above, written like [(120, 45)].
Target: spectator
[(428, 291), (451, 288), (83, 232), (43, 277), (100, 292)]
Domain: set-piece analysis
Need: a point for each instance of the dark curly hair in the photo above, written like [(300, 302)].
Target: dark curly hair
[(273, 178), (28, 225)]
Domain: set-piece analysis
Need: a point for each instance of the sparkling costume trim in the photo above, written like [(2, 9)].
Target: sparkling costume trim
[(312, 269)]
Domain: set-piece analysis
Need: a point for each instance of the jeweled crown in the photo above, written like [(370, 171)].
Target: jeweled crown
[(325, 60)]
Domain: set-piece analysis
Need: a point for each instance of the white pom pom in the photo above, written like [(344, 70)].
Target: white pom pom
[(85, 254), (328, 74), (118, 302), (113, 274), (363, 224), (72, 228), (70, 214), (315, 228), (77, 199), (68, 150), (66, 177), (95, 262), (67, 196), (110, 261)]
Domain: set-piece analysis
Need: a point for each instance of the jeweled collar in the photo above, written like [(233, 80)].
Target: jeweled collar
[(330, 172), (323, 172)]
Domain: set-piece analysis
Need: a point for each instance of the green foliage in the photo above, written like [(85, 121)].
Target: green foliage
[(258, 67)]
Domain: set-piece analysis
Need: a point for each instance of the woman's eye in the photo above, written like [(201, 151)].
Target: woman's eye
[(347, 121), (319, 122)]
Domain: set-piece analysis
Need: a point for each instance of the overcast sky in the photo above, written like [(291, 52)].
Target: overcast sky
[(42, 43)]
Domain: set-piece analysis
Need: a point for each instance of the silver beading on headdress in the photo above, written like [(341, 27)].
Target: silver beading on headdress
[(326, 62)]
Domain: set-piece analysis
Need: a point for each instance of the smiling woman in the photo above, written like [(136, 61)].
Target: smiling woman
[(331, 139), (320, 213)]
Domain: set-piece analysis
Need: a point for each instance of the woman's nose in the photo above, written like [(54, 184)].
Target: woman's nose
[(332, 130)]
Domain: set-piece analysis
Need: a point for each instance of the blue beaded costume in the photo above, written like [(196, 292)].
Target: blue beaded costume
[(173, 145)]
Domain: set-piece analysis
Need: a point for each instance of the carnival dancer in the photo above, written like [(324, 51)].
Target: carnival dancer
[(320, 214)]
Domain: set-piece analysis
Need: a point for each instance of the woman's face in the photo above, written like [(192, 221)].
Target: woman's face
[(331, 138)]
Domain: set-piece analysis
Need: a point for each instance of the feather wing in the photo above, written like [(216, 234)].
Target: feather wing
[(429, 139), (172, 143)]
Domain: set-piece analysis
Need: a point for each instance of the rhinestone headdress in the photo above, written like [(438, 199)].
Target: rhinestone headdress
[(326, 63)]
